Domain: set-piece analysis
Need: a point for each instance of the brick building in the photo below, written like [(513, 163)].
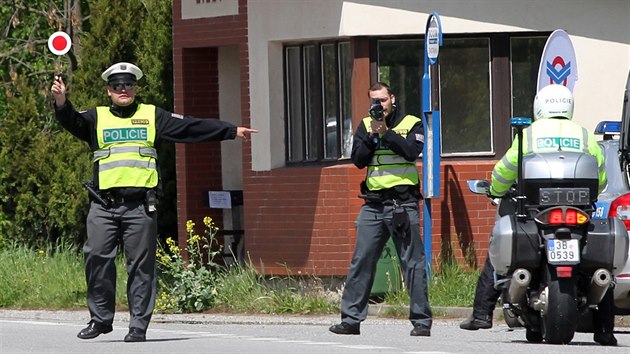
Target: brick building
[(298, 70)]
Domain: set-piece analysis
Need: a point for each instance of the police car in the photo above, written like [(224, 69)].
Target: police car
[(615, 199)]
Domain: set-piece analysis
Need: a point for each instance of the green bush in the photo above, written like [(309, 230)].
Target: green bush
[(187, 285), (198, 283), (41, 199)]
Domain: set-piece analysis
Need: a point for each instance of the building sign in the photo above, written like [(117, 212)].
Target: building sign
[(558, 64), (220, 199), (208, 8)]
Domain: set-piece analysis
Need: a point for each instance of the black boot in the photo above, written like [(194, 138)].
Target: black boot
[(474, 323), (345, 328), (605, 339), (93, 330), (136, 335)]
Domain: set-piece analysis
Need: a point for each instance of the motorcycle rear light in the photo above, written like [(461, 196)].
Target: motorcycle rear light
[(564, 271), (555, 217), (620, 208), (563, 216)]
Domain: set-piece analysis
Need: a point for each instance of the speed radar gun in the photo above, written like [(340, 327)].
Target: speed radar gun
[(557, 263), (376, 112)]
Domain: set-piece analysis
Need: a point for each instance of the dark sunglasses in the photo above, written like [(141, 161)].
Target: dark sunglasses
[(118, 86)]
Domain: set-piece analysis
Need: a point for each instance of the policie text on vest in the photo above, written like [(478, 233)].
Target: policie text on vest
[(117, 135)]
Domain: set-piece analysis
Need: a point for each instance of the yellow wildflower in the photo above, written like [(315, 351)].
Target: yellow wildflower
[(189, 226), (207, 221), (194, 239)]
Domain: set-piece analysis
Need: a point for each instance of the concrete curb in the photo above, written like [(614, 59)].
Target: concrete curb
[(378, 312), (382, 310)]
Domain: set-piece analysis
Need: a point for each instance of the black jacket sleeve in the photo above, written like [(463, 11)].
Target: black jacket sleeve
[(363, 147), (186, 129), (80, 124), (411, 146)]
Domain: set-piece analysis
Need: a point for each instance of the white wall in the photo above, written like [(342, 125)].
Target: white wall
[(600, 31)]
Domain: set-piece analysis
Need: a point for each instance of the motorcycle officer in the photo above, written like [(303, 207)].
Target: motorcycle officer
[(553, 111)]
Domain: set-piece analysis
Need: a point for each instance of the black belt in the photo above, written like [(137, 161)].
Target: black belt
[(388, 196), (119, 199)]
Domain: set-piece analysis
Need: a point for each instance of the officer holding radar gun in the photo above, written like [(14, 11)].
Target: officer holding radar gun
[(387, 144), (123, 191)]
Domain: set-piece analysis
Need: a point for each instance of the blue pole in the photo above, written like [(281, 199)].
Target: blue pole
[(431, 119), (426, 171)]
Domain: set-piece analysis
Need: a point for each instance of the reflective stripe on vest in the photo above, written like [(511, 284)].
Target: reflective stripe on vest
[(126, 156), (387, 169)]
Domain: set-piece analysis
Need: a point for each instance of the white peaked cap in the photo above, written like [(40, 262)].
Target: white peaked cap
[(122, 68)]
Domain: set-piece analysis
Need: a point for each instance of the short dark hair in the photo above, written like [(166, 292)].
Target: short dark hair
[(379, 86)]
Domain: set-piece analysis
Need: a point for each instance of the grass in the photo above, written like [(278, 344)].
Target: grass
[(452, 286), (33, 279)]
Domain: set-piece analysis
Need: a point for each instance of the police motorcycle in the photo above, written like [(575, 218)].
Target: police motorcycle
[(552, 261)]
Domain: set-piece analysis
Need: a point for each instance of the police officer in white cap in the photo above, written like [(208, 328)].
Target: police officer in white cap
[(123, 204)]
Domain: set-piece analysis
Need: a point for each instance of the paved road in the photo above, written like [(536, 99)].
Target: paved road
[(55, 332)]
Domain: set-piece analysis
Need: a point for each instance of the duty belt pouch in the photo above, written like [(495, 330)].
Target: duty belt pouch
[(402, 192), (151, 201), (400, 221)]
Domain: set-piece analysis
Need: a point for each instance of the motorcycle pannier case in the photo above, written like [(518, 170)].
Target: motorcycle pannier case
[(606, 246), (513, 245)]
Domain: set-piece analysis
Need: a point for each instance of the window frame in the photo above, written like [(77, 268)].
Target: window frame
[(500, 95), (317, 153)]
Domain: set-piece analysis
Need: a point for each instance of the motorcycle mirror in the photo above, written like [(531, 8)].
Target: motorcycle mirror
[(479, 186)]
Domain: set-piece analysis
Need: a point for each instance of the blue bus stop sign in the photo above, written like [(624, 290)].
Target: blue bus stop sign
[(433, 39)]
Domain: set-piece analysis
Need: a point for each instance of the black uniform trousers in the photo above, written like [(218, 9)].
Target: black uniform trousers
[(486, 295), (132, 226), (374, 227)]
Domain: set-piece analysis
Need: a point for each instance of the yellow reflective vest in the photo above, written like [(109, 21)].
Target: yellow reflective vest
[(547, 135), (126, 156), (387, 169)]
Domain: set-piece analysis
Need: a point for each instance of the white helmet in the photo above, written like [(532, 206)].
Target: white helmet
[(553, 101)]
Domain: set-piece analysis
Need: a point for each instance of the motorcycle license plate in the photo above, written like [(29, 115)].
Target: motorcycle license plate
[(564, 196), (563, 251)]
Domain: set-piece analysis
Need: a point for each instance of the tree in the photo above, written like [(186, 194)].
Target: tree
[(38, 203), (41, 200), (42, 167)]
